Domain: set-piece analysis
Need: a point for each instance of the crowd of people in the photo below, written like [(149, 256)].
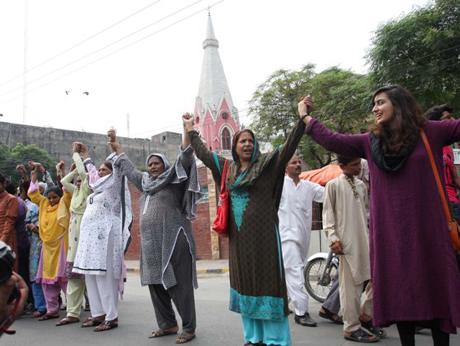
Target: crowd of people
[(397, 264)]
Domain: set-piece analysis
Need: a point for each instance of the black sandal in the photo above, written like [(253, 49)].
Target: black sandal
[(361, 335), (378, 332), (92, 322)]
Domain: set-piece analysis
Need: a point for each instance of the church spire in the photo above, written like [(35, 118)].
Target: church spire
[(214, 108), (210, 36)]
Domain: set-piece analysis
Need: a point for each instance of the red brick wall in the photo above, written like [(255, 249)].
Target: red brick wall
[(134, 249), (201, 232), (201, 225)]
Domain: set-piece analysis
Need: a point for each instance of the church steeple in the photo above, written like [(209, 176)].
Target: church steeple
[(215, 114), (210, 36)]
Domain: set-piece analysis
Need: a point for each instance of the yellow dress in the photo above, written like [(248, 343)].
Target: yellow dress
[(53, 225)]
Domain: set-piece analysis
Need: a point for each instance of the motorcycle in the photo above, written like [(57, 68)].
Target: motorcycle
[(319, 273)]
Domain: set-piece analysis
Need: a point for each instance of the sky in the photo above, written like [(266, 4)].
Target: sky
[(135, 65)]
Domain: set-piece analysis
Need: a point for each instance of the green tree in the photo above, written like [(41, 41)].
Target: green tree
[(21, 154), (341, 102), (421, 52)]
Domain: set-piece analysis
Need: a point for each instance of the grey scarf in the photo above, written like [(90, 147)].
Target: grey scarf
[(175, 175)]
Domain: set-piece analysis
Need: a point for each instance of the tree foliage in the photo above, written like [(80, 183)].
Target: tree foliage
[(421, 52), (21, 154), (341, 102)]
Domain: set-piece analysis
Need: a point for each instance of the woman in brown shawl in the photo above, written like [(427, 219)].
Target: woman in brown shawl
[(255, 182)]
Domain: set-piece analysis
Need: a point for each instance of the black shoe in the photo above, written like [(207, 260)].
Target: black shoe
[(305, 320)]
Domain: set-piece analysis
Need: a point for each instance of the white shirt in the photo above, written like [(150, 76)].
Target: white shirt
[(295, 211)]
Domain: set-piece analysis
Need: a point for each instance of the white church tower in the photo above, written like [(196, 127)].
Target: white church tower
[(215, 115)]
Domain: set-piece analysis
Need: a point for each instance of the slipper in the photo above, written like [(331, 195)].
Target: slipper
[(47, 317), (92, 322), (107, 325), (184, 337), (361, 335), (38, 314), (67, 320), (325, 313), (379, 332), (163, 332)]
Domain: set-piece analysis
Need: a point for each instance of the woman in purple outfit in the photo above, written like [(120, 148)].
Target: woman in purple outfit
[(415, 277)]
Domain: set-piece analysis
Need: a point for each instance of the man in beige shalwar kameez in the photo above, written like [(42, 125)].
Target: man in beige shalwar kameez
[(345, 222)]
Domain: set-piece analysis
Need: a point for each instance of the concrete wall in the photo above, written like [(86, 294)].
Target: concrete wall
[(58, 142)]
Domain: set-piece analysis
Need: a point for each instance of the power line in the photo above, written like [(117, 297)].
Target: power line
[(43, 62), (104, 47), (118, 50)]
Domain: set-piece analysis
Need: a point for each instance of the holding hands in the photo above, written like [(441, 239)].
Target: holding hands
[(82, 149), (114, 145), (36, 166), (305, 107)]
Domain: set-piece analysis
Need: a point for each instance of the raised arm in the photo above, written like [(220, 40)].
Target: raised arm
[(67, 181), (211, 160), (33, 192), (349, 145), (78, 148), (124, 165), (289, 147)]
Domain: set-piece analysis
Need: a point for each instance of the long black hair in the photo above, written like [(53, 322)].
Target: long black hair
[(404, 127)]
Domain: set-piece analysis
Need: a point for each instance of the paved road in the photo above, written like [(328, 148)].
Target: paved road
[(216, 325)]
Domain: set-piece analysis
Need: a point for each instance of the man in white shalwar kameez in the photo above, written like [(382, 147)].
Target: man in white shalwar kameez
[(295, 218), (345, 222)]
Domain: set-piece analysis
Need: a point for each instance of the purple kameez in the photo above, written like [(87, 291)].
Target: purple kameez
[(413, 267)]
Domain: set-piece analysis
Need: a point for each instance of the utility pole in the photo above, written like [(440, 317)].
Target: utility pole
[(127, 123)]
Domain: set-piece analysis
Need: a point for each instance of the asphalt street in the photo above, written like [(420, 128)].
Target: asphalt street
[(216, 325)]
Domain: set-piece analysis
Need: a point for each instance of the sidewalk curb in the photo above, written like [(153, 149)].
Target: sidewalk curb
[(198, 271)]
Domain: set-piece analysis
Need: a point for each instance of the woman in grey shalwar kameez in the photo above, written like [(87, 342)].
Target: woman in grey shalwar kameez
[(167, 260)]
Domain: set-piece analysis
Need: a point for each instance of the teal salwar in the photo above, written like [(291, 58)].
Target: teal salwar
[(269, 332)]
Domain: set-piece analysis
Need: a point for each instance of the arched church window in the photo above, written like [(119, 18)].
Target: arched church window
[(226, 139)]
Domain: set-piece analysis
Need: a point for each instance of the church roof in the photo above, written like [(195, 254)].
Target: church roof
[(213, 83)]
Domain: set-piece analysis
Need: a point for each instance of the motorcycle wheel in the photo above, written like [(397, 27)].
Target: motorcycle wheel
[(312, 275)]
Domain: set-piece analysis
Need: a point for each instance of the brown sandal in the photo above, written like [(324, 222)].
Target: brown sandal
[(92, 322), (184, 337), (67, 320), (107, 325), (47, 317), (163, 332), (328, 315)]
